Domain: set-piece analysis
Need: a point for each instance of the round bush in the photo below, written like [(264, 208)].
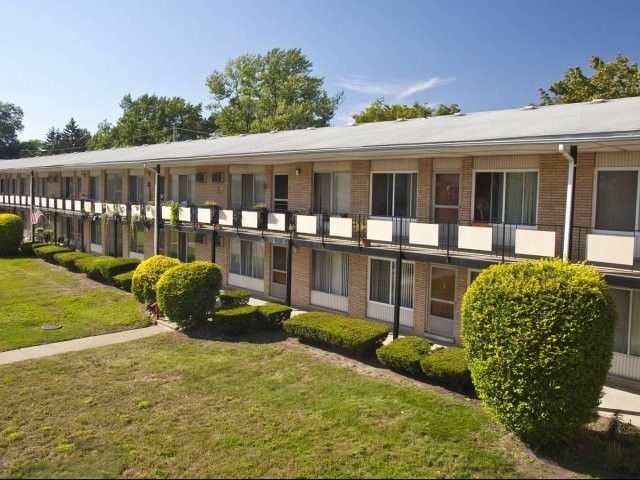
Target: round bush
[(147, 274), (187, 292), (10, 234), (539, 340)]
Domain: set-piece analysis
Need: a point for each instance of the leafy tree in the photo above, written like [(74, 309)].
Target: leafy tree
[(275, 91), (616, 79), (151, 119), (71, 139), (32, 148), (379, 111), (10, 124)]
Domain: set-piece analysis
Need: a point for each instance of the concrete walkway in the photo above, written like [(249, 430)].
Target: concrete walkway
[(626, 403)]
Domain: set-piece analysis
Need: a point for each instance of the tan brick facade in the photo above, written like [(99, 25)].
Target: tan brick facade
[(301, 277), (360, 178)]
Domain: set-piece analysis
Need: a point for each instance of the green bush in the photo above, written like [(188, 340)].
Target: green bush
[(26, 248), (91, 266), (48, 251), (448, 366), (271, 315), (10, 234), (187, 292), (236, 320), (68, 259), (361, 337), (234, 298), (539, 339), (143, 285), (116, 266), (404, 354), (83, 264), (123, 280)]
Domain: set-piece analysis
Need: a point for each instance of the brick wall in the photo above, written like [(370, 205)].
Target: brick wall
[(425, 195), (301, 187), (466, 186), (421, 288), (213, 191), (301, 277), (360, 178), (358, 268)]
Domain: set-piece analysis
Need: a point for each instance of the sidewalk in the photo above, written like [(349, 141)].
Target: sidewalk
[(624, 402)]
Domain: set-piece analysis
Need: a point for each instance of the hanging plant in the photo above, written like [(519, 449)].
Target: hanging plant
[(174, 213), (133, 225), (104, 219)]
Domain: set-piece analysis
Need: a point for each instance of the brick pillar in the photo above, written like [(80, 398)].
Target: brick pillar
[(301, 277), (466, 182), (358, 268), (583, 202), (360, 178), (301, 187), (425, 195), (420, 298), (552, 195), (268, 260)]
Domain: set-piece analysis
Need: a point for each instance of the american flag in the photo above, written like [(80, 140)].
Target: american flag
[(35, 216)]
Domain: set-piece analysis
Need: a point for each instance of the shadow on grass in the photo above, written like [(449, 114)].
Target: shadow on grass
[(210, 331)]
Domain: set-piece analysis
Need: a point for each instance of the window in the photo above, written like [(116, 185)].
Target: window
[(382, 282), (114, 188), (332, 192), (96, 232), (136, 189), (136, 241), (394, 194), (627, 339), (183, 188), (247, 258), (95, 188), (616, 196), (331, 272), (182, 246), (67, 187), (506, 197), (247, 190), (44, 187)]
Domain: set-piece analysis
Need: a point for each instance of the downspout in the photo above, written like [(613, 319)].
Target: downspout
[(568, 213)]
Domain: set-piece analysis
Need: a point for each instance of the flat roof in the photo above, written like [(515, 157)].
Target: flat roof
[(610, 125)]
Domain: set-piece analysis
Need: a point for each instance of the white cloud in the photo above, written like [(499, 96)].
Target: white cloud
[(398, 90)]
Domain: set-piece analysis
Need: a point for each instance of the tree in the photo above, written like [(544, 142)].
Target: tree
[(379, 111), (275, 91), (151, 119), (71, 139), (32, 148), (10, 124), (616, 79)]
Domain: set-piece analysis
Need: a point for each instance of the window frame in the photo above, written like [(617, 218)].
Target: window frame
[(594, 200), (627, 351), (392, 263), (313, 269), (254, 245), (393, 195), (333, 209)]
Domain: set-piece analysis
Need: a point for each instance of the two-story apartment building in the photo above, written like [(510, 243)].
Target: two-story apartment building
[(437, 199)]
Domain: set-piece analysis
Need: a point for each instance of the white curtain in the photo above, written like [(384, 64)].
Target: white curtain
[(331, 272)]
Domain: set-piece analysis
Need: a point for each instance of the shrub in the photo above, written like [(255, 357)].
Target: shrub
[(116, 266), (448, 366), (404, 354), (187, 292), (83, 264), (271, 315), (361, 337), (10, 234), (123, 280), (68, 259), (234, 298), (26, 248), (539, 338), (48, 251), (143, 285), (91, 266), (236, 320)]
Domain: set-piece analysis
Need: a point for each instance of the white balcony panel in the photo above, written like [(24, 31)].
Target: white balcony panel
[(12, 199), (249, 283), (28, 200), (329, 300), (36, 201), (23, 200), (610, 249), (475, 238), (249, 219), (51, 202), (110, 208), (121, 210), (341, 227), (306, 224), (77, 205), (166, 213), (135, 210), (423, 234), (277, 221), (226, 218), (150, 211), (533, 242), (59, 203), (381, 230), (68, 204), (627, 366), (184, 214), (384, 312), (97, 207), (204, 215)]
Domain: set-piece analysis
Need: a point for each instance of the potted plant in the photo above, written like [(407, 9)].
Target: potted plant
[(174, 213), (360, 230)]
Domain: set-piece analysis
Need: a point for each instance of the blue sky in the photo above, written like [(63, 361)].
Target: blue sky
[(64, 58)]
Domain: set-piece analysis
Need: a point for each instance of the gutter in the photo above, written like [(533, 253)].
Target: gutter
[(568, 211)]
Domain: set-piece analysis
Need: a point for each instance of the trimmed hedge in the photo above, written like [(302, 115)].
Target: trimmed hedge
[(116, 266), (234, 298), (123, 280), (539, 337), (91, 266), (68, 259), (404, 354), (271, 315), (361, 337), (26, 248), (10, 234), (143, 285), (48, 251), (448, 366), (187, 292), (236, 320)]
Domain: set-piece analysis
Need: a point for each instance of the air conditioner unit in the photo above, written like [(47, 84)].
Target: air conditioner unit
[(217, 177), (201, 178)]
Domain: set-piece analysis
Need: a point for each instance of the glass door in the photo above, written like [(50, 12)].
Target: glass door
[(446, 206), (279, 272), (280, 193), (442, 302)]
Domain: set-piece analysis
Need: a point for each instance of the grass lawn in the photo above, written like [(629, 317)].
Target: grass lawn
[(34, 292)]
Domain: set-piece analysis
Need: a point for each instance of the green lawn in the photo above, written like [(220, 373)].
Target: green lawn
[(33, 293)]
